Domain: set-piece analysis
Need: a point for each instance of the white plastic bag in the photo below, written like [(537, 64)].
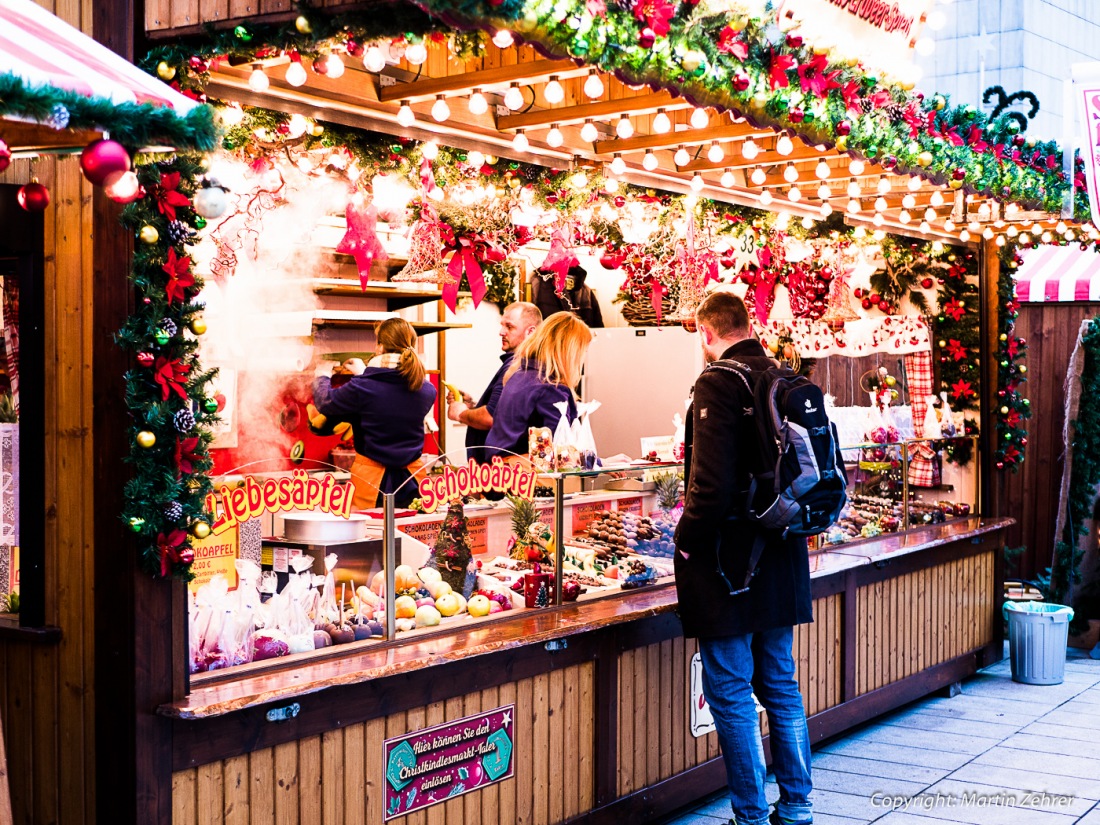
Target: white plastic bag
[(931, 422), (586, 441), (566, 456), (949, 426)]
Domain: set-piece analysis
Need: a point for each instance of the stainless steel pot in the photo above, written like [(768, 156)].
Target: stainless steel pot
[(313, 526)]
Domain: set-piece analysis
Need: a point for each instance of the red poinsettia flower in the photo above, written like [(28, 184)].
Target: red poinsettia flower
[(180, 278), (656, 14), (170, 547), (1011, 455), (168, 198), (912, 116), (730, 42), (954, 309), (961, 390), (852, 99), (777, 72), (172, 377), (597, 8), (187, 455), (974, 139), (1013, 418), (881, 98), (814, 79), (956, 350), (999, 151)]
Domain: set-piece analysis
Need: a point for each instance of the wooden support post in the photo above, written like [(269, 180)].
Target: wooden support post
[(989, 271)]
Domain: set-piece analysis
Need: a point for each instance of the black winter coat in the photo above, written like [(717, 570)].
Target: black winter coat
[(720, 450)]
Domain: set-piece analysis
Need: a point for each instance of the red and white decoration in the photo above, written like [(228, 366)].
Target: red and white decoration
[(897, 334), (1058, 273)]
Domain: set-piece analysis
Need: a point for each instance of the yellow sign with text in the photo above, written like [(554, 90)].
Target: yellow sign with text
[(216, 556)]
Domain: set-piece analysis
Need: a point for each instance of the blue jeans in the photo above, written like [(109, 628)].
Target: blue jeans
[(732, 667)]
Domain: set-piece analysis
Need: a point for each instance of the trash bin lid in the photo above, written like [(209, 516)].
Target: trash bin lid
[(1045, 608)]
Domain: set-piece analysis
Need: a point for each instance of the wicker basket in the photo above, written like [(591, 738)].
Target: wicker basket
[(641, 314)]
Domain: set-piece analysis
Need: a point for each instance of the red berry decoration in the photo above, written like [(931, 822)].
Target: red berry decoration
[(875, 297), (884, 305), (866, 303), (33, 197), (843, 128), (646, 38), (187, 555), (926, 283), (5, 156), (101, 158), (794, 41), (857, 292)]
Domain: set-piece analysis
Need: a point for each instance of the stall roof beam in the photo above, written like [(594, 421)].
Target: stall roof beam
[(688, 137), (641, 105), (735, 160), (465, 83)]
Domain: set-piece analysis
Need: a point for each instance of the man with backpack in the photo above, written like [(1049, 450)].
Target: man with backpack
[(742, 587)]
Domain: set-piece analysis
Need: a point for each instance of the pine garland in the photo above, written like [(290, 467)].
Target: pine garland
[(1011, 408)]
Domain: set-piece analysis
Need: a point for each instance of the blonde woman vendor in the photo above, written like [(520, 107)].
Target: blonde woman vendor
[(385, 406)]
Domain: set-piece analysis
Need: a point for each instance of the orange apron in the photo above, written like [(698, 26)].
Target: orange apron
[(366, 477)]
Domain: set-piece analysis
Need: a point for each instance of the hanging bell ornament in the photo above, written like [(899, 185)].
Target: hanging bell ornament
[(145, 439), (136, 523), (149, 234), (200, 529), (197, 326)]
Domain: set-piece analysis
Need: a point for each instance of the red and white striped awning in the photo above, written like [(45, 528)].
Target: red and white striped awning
[(1058, 273), (42, 50)]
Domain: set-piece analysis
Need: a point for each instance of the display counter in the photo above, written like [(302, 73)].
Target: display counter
[(596, 698)]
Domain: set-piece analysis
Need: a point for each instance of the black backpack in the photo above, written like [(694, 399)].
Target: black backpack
[(799, 486)]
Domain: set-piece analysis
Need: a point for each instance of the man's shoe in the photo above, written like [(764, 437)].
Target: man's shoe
[(775, 819)]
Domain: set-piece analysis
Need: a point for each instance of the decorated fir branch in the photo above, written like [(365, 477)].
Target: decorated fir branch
[(1010, 407)]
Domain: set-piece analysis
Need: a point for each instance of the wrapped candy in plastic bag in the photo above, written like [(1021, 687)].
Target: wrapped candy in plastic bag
[(585, 440), (327, 608), (223, 633), (949, 427), (566, 455), (678, 437), (932, 424), (540, 449)]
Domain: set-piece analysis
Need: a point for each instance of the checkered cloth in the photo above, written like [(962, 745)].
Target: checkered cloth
[(925, 469), (10, 308)]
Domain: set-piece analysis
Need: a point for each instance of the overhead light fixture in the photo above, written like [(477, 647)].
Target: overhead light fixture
[(854, 206), (987, 233), (475, 159), (766, 197), (914, 184), (618, 165), (478, 104), (681, 158), (440, 110), (807, 222), (662, 124), (405, 115), (883, 185), (611, 185), (749, 149), (503, 39), (624, 128), (759, 176), (553, 92), (649, 160), (696, 182), (1001, 240), (554, 137), (430, 150), (335, 65), (589, 132), (1012, 231), (853, 189), (904, 216), (258, 81), (296, 72), (964, 236), (826, 209), (579, 180), (520, 142), (936, 199), (878, 219), (416, 53), (513, 98), (856, 166), (824, 192), (728, 180), (700, 119), (823, 169), (949, 225), (784, 145), (593, 85), (880, 204), (374, 59), (794, 194), (925, 226), (715, 153), (929, 214), (790, 173), (909, 202)]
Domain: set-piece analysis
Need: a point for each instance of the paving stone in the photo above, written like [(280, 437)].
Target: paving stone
[(898, 753), (931, 740), (1069, 716), (1071, 733), (821, 818), (1049, 763), (920, 720), (716, 807), (1011, 797), (982, 709), (1026, 779), (1043, 744), (857, 806), (698, 819), (845, 782), (872, 768), (1091, 818)]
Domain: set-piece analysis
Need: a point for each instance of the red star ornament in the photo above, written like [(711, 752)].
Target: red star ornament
[(361, 241)]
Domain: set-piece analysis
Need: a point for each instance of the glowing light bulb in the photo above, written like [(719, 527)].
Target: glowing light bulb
[(649, 160), (758, 176), (520, 142), (1025, 238), (696, 182), (503, 39), (807, 222), (880, 204), (374, 59), (937, 20), (860, 233), (794, 194), (553, 92), (1001, 240), (766, 197), (440, 110), (475, 159), (335, 65), (296, 73), (784, 145), (416, 53), (661, 123), (936, 199), (593, 85), (904, 216), (430, 150), (715, 153), (929, 214), (790, 174), (824, 192), (1060, 227), (964, 236), (826, 209), (823, 170), (909, 202), (618, 165), (853, 189), (988, 234), (478, 104), (1069, 236), (782, 221), (579, 180), (949, 225), (681, 158), (1012, 209), (258, 81), (513, 98), (231, 115), (624, 128), (878, 220), (1012, 232), (914, 184), (879, 235), (856, 166), (925, 46), (700, 119), (611, 185), (297, 125), (749, 149), (554, 137), (728, 180), (853, 206), (405, 115), (883, 185), (925, 226)]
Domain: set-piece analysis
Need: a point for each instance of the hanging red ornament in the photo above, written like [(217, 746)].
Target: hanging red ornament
[(926, 283), (187, 555), (646, 37), (843, 128), (5, 156), (145, 359), (101, 158), (796, 115), (741, 82), (33, 196)]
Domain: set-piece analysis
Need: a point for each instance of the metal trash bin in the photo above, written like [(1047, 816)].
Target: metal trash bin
[(1037, 636)]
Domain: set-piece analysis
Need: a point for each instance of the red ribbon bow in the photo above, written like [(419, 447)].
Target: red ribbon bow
[(464, 259)]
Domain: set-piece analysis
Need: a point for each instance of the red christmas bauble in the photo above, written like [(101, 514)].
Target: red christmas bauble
[(826, 274), (102, 157), (959, 174), (843, 128), (926, 283), (33, 197), (646, 37), (741, 82), (794, 41), (145, 359), (884, 305), (5, 156), (857, 292), (619, 201), (796, 115), (866, 303), (187, 555), (875, 297), (320, 64)]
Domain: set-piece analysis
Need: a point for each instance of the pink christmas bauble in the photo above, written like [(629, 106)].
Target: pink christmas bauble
[(33, 197), (101, 158)]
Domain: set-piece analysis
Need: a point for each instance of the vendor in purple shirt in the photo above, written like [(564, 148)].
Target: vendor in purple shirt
[(544, 371), (385, 406)]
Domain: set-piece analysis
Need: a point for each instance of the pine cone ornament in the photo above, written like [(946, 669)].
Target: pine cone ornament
[(169, 326), (179, 232), (184, 421), (174, 511)]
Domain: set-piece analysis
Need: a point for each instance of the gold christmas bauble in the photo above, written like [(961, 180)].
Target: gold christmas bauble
[(891, 381), (197, 326), (164, 71), (955, 184), (302, 24), (149, 234), (925, 159), (145, 439), (317, 130), (1004, 410), (200, 529)]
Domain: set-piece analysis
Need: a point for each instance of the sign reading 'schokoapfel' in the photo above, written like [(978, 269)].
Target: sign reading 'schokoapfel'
[(436, 764), (473, 478), (299, 491)]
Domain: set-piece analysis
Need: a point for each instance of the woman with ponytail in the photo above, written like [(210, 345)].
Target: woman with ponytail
[(385, 406)]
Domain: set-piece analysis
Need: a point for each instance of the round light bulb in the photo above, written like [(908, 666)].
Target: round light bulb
[(475, 159), (856, 166), (964, 236), (826, 209), (553, 92), (878, 220), (758, 176), (696, 182), (661, 123), (440, 110), (520, 142), (860, 232), (937, 20), (879, 234), (611, 185), (416, 53), (749, 149), (478, 104), (681, 158), (1012, 209), (297, 125), (624, 128), (883, 185), (925, 226), (618, 165), (503, 39), (700, 119), (1025, 238), (554, 137), (589, 132), (790, 173), (925, 46), (513, 98), (824, 192), (579, 179), (988, 234), (880, 204), (728, 180), (807, 222), (909, 202), (296, 73), (904, 216), (984, 212), (949, 225), (853, 189), (258, 81), (1012, 232), (1046, 237), (853, 206), (929, 214), (430, 150), (1001, 240), (823, 170), (794, 194), (335, 65), (715, 153), (784, 145), (766, 197), (405, 115), (1060, 227), (782, 221), (914, 184), (374, 59), (649, 160), (593, 85), (974, 226), (936, 199)]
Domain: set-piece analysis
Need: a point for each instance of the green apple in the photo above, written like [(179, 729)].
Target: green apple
[(439, 588), (478, 606), (447, 604), (427, 616)]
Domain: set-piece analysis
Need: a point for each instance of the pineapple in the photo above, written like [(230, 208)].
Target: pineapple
[(668, 490), (527, 530), (8, 415)]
